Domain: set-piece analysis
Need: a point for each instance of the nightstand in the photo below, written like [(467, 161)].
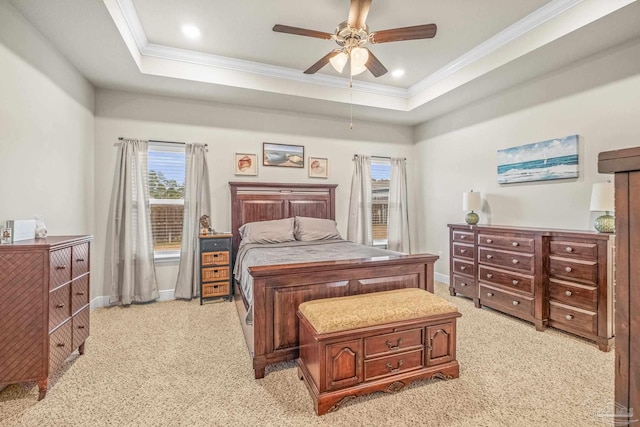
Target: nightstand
[(215, 266)]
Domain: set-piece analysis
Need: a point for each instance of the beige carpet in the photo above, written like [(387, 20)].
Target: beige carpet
[(177, 363)]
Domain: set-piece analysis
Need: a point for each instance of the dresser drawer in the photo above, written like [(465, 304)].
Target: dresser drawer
[(465, 286), (509, 302), (60, 346), (507, 279), (506, 259), (211, 274), (215, 245), (573, 318), (79, 259), (383, 345), (520, 244), (463, 236), (215, 289), (215, 258), (59, 267), (59, 306), (392, 365), (579, 249), (464, 267), (79, 293), (574, 269), (463, 251), (80, 323), (582, 296)]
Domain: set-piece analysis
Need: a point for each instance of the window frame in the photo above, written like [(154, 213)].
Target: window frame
[(380, 243)]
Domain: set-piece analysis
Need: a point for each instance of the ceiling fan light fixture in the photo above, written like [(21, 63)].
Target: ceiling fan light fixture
[(339, 61), (359, 58), (191, 31)]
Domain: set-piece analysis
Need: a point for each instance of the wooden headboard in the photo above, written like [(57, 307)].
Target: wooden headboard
[(257, 201)]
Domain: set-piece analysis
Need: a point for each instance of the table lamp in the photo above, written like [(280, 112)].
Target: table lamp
[(471, 202), (602, 200)]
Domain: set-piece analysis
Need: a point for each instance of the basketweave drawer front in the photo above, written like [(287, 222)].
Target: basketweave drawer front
[(215, 258), (573, 317), (465, 286), (393, 365), (514, 243), (574, 269), (506, 259), (59, 306), (383, 345), (463, 251), (464, 267), (510, 302), (212, 274), (215, 289), (582, 296), (80, 323), (463, 236), (80, 259), (507, 279), (215, 245), (60, 346), (79, 293), (59, 267), (579, 249)]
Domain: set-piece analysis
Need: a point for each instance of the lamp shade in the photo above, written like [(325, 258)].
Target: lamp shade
[(471, 201), (339, 61), (359, 58), (602, 197)]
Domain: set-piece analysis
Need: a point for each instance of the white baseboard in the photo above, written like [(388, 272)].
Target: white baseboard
[(103, 301), (442, 278)]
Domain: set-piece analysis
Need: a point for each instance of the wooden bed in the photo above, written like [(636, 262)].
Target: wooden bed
[(280, 289)]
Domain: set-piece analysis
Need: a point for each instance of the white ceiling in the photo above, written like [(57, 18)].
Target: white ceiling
[(481, 47)]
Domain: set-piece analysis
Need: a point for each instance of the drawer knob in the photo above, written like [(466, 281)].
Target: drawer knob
[(489, 294), (568, 293), (390, 345), (60, 305), (568, 269), (461, 284), (463, 251), (489, 241), (80, 326), (489, 256), (569, 316), (515, 282), (461, 237), (514, 244), (79, 259), (569, 249), (462, 267), (80, 293), (61, 267), (516, 302), (60, 344), (515, 261), (489, 275), (391, 368)]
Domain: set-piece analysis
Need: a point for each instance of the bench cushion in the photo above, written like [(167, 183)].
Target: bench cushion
[(359, 311)]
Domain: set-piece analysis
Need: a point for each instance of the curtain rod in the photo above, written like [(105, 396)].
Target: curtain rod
[(377, 157), (166, 142)]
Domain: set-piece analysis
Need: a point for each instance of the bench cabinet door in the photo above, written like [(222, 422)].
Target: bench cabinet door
[(344, 364), (441, 344)]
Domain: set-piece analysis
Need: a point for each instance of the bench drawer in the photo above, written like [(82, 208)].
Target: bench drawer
[(393, 365), (383, 345)]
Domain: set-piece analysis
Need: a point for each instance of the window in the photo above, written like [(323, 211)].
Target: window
[(166, 193), (380, 177)]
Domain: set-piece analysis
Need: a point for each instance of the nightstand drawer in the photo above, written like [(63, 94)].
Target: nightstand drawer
[(215, 244), (60, 346), (59, 306), (215, 258), (211, 274), (215, 289), (60, 267)]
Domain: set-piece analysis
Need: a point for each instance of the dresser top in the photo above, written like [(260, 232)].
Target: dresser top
[(47, 242), (215, 236), (537, 230)]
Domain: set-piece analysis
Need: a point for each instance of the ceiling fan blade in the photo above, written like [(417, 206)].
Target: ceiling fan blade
[(301, 32), (321, 63), (426, 31), (375, 66), (358, 12)]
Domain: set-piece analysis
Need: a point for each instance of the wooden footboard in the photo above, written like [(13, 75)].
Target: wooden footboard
[(280, 289)]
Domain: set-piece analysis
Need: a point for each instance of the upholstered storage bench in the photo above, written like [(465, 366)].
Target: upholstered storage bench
[(354, 345)]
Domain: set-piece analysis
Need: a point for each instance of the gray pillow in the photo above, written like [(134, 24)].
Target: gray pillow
[(308, 229), (275, 231)]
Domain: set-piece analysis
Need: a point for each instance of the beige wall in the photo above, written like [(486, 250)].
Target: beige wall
[(46, 131), (228, 130), (458, 152)]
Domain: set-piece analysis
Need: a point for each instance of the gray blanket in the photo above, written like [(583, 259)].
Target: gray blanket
[(252, 254)]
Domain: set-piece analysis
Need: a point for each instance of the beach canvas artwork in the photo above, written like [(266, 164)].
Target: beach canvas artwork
[(291, 156), (553, 159)]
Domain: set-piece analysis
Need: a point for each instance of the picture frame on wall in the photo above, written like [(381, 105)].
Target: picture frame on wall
[(246, 164), (318, 167), (289, 156)]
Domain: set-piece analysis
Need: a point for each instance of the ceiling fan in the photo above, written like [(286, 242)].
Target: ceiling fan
[(352, 35)]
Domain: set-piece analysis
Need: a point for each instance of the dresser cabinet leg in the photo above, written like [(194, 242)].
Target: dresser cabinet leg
[(42, 388), (476, 302), (540, 325), (452, 292), (605, 344), (259, 373)]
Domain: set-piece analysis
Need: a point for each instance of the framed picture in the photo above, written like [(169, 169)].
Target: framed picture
[(246, 164), (318, 167), (290, 156), (553, 159)]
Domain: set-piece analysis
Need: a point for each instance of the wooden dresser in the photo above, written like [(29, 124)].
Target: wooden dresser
[(550, 277), (215, 266), (626, 166), (44, 285)]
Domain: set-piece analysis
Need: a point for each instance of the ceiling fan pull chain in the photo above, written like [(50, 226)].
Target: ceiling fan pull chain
[(351, 104)]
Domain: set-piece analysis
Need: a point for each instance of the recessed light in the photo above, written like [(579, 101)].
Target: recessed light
[(397, 73), (191, 31)]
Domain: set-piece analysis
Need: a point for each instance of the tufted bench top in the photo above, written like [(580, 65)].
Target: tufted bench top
[(359, 311)]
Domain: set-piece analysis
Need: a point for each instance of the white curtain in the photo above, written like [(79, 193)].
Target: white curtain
[(398, 219), (130, 270), (197, 202), (359, 227)]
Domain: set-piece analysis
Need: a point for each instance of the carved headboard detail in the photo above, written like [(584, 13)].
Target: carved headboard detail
[(257, 201)]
